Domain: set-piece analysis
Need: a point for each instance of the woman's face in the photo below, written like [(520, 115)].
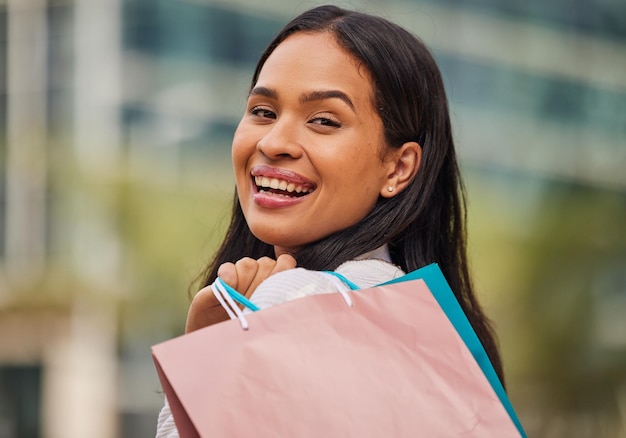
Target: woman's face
[(308, 151)]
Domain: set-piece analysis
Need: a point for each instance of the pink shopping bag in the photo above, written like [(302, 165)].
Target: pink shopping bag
[(391, 365)]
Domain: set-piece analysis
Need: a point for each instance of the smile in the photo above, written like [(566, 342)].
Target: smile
[(281, 187)]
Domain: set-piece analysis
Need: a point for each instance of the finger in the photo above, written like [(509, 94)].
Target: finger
[(204, 310), (264, 270), (246, 271), (283, 263), (228, 272)]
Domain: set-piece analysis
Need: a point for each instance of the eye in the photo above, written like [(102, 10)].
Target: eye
[(325, 121), (262, 113)]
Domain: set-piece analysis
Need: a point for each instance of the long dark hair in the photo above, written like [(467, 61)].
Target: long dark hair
[(425, 223)]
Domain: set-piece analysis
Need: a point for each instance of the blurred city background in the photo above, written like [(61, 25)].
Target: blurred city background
[(116, 118)]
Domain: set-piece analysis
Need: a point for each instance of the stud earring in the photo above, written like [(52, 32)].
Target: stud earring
[(390, 189)]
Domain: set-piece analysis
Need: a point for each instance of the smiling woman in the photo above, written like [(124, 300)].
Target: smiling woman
[(344, 161), (306, 128)]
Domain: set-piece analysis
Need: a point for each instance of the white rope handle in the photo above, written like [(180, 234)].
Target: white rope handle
[(234, 312), (224, 298), (341, 288), (218, 295)]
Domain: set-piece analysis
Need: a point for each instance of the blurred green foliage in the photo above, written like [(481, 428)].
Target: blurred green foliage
[(550, 259)]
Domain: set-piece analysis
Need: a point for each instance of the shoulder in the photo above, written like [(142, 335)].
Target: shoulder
[(369, 272), (290, 285), (297, 283)]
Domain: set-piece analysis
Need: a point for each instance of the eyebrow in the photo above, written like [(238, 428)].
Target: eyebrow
[(327, 94), (264, 91), (313, 96)]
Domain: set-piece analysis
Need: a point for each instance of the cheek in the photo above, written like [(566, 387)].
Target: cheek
[(240, 150), (363, 168)]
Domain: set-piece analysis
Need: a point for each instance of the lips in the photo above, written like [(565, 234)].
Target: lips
[(280, 182)]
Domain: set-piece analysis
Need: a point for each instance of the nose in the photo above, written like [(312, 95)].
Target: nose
[(280, 141)]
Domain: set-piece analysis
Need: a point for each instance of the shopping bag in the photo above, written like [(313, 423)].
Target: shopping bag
[(439, 287), (393, 364)]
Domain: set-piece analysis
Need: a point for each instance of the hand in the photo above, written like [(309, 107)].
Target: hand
[(244, 276), (247, 273)]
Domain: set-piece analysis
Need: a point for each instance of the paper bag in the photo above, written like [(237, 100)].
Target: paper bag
[(391, 365), (440, 289)]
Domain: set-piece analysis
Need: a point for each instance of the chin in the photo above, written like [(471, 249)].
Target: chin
[(288, 244)]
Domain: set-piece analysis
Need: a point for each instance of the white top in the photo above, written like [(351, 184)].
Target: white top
[(366, 271)]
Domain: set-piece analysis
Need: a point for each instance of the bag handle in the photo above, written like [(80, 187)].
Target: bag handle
[(347, 282), (343, 285), (228, 297), (236, 296)]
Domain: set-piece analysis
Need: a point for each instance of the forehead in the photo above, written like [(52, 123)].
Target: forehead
[(315, 61)]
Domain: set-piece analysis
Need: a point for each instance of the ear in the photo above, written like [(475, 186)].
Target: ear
[(403, 164)]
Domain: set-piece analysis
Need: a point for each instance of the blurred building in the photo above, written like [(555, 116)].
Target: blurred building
[(97, 96)]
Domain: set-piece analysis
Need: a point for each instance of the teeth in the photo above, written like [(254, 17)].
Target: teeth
[(278, 184)]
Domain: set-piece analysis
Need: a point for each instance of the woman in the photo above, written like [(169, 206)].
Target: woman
[(344, 160)]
